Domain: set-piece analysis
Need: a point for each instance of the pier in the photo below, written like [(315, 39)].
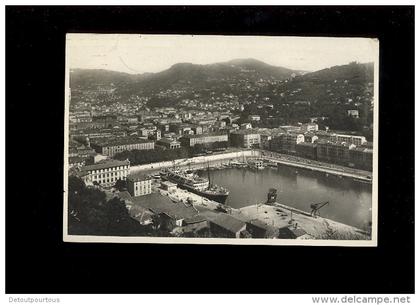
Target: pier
[(350, 173), (282, 216), (277, 216), (197, 161)]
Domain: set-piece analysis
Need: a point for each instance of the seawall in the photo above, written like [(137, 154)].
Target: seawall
[(196, 160)]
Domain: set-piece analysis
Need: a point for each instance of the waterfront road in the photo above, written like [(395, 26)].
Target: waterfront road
[(238, 154), (217, 157), (317, 166)]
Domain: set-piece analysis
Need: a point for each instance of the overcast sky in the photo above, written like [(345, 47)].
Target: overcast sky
[(153, 53)]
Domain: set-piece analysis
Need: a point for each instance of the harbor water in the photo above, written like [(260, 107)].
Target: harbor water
[(350, 201)]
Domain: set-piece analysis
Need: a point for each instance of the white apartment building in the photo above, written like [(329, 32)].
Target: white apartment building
[(106, 173), (139, 185)]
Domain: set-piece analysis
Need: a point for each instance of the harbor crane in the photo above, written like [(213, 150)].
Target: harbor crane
[(272, 195), (315, 207)]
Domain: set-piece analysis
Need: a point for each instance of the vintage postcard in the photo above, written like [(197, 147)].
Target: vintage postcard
[(253, 140)]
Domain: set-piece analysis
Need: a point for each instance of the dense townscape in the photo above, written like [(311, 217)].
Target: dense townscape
[(120, 124)]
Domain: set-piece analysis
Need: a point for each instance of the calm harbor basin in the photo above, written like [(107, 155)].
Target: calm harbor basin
[(350, 201)]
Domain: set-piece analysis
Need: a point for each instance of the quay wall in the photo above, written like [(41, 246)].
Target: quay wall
[(332, 171), (196, 160)]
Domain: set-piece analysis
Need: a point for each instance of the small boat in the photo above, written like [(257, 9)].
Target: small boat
[(237, 164), (256, 164)]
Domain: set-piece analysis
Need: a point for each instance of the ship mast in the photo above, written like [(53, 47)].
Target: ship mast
[(208, 174)]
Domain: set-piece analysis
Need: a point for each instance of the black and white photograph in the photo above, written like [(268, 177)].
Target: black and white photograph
[(221, 139), (215, 153)]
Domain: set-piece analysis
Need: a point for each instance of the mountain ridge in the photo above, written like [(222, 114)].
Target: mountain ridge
[(225, 76), (240, 62), (201, 70)]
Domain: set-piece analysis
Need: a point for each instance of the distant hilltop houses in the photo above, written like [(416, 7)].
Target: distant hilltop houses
[(245, 85), (190, 110)]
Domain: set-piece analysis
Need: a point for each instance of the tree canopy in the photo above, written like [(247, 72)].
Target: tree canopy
[(90, 213)]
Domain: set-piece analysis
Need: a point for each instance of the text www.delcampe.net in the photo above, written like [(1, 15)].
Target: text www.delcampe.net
[(361, 300)]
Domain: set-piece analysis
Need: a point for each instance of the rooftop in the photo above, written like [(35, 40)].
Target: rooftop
[(168, 183), (158, 203), (139, 213), (306, 144), (323, 133), (120, 141), (105, 164), (294, 133), (94, 130), (195, 219), (225, 221), (204, 135), (245, 131), (259, 223), (347, 135), (166, 140), (334, 143), (138, 177), (76, 159), (362, 149)]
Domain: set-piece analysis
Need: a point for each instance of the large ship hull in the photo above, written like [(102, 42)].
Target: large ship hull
[(221, 198), (218, 197)]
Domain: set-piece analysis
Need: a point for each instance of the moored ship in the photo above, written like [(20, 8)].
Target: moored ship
[(198, 185), (256, 164)]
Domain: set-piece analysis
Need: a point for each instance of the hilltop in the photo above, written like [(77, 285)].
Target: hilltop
[(353, 72), (183, 74), (241, 86), (233, 72)]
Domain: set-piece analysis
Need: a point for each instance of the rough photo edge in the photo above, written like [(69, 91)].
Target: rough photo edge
[(226, 241)]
